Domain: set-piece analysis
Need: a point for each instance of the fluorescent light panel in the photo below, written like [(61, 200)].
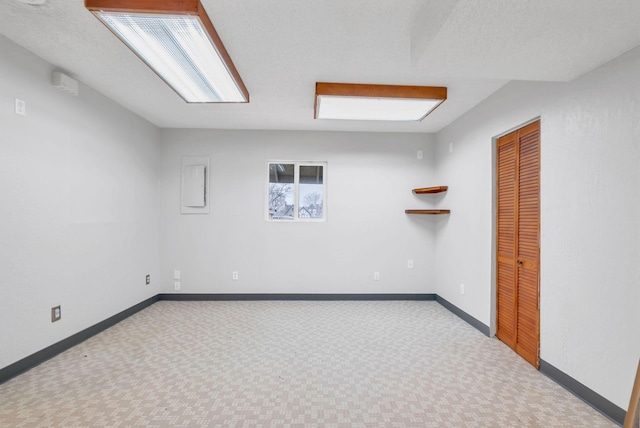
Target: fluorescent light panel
[(181, 51), (361, 108), (376, 102)]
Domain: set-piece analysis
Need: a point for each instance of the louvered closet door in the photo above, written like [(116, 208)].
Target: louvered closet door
[(518, 218), (506, 276)]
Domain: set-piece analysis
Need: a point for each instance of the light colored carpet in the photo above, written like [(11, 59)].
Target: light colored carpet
[(291, 364)]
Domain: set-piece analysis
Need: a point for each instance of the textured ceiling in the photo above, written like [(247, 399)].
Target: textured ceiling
[(282, 47)]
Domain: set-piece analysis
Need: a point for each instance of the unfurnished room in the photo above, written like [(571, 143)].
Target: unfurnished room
[(329, 213)]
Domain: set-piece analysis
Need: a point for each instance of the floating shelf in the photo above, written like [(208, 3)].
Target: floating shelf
[(435, 189), (432, 212), (429, 190)]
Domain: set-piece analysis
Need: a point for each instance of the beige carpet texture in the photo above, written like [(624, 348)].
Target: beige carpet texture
[(290, 364)]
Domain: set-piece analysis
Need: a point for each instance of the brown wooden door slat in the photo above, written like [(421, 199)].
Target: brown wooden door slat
[(506, 217), (528, 227)]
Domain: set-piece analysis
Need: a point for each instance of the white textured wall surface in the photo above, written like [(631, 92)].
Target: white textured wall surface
[(78, 201), (590, 218), (369, 179), (80, 209)]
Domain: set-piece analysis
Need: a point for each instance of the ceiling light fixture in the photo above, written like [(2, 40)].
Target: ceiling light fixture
[(376, 102), (176, 39), (33, 2)]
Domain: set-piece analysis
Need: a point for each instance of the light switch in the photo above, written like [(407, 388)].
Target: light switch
[(176, 274)]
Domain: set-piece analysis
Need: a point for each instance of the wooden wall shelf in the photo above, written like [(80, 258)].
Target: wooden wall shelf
[(425, 190), (432, 212)]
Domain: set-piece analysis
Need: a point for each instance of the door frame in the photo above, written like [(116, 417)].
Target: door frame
[(493, 318)]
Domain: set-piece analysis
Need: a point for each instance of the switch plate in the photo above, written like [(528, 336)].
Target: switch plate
[(56, 313), (234, 275), (420, 154), (148, 279), (461, 288), (176, 274), (376, 276), (21, 107), (410, 263), (176, 285)]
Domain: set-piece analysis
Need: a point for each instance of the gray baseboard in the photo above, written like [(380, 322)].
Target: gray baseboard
[(592, 398), (49, 352), (604, 406), (293, 296), (479, 325)]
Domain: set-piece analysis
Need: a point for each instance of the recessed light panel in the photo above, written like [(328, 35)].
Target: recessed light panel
[(181, 46), (376, 102), (364, 108)]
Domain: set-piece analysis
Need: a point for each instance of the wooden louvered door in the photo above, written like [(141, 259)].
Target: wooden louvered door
[(518, 241)]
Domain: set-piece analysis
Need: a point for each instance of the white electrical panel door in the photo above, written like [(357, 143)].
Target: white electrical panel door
[(195, 183), (194, 186)]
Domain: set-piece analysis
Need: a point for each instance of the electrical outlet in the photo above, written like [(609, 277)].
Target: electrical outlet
[(376, 276), (56, 313), (461, 288), (410, 263), (148, 279), (234, 275), (21, 107), (176, 285)]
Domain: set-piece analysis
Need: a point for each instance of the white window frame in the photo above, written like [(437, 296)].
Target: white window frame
[(296, 191)]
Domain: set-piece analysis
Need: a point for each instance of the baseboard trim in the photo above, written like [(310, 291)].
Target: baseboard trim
[(592, 398), (599, 403), (49, 352), (477, 324), (291, 296)]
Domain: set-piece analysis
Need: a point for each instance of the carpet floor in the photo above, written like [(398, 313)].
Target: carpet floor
[(291, 364)]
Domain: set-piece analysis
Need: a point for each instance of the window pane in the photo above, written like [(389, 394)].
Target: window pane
[(281, 191), (310, 203)]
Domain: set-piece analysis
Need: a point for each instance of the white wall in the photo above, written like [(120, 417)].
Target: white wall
[(370, 177), (78, 201), (590, 218)]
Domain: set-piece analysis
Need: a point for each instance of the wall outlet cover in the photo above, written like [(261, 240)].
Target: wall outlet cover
[(21, 107), (56, 313)]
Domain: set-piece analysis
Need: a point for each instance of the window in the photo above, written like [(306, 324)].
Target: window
[(297, 191)]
